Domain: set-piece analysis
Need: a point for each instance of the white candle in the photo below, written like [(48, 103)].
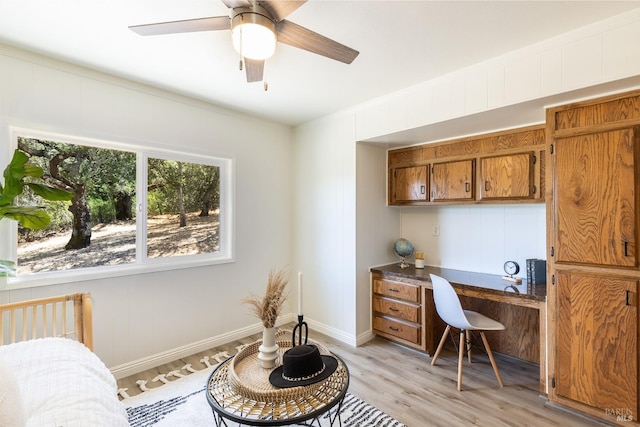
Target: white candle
[(299, 293)]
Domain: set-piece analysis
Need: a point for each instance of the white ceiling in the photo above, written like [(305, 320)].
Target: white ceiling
[(401, 43)]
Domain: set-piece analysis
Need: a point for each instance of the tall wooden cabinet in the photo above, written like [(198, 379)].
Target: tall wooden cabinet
[(593, 225)]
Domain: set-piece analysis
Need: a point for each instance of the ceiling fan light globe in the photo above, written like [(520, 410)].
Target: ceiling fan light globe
[(253, 35)]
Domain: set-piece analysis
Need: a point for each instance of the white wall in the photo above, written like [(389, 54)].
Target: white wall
[(377, 226), (158, 314), (603, 52), (325, 240), (479, 237)]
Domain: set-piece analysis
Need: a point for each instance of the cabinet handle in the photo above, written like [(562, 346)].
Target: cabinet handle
[(393, 309), (394, 329), (486, 186), (393, 290), (630, 299), (422, 189), (466, 187), (626, 248)]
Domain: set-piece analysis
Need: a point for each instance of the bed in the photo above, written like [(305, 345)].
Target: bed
[(49, 375)]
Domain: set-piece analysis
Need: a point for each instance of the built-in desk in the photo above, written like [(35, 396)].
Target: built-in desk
[(404, 311)]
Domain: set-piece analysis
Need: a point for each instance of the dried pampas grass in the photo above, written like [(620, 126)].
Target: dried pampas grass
[(269, 307)]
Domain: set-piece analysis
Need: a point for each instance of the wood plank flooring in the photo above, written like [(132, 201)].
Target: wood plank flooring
[(402, 383)]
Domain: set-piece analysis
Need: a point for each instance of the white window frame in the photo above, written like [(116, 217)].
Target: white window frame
[(142, 264)]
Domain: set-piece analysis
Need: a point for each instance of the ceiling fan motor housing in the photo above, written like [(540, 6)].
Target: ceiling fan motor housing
[(253, 32)]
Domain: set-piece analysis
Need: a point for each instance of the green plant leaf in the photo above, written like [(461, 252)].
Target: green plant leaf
[(7, 268), (14, 175), (50, 193), (32, 217), (33, 170), (14, 172)]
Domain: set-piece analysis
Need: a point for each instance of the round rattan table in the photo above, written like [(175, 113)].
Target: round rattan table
[(238, 390)]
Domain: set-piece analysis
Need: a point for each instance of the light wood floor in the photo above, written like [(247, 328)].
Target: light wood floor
[(402, 383)]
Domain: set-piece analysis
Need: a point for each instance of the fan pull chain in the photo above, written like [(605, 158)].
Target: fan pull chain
[(265, 84), (241, 57)]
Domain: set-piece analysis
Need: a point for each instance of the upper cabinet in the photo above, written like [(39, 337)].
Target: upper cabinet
[(499, 167), (507, 177), (453, 180), (410, 184)]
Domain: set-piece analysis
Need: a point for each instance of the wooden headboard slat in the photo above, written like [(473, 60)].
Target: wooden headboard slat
[(52, 322)]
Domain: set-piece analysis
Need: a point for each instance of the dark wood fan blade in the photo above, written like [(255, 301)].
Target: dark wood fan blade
[(254, 69), (185, 26), (281, 9), (303, 38), (231, 4)]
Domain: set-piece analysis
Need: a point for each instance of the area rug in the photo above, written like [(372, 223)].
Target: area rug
[(183, 402)]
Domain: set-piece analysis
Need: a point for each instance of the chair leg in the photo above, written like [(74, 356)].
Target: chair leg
[(460, 358), (442, 341), (493, 361), (469, 345)]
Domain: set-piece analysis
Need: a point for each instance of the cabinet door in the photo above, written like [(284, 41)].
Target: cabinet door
[(595, 204), (507, 177), (452, 181), (410, 184), (596, 340)]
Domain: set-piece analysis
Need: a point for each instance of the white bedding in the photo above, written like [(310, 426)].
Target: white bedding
[(63, 384)]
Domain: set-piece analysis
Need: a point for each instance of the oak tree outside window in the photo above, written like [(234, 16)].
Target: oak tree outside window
[(130, 207)]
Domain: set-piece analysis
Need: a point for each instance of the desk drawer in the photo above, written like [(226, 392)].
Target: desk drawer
[(395, 308), (397, 329), (399, 290)]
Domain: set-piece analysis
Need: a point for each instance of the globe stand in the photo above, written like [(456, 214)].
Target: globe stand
[(403, 250)]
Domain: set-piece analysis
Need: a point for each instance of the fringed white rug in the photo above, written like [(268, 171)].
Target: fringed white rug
[(183, 402)]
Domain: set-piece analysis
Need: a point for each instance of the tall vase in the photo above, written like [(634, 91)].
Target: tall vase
[(268, 350)]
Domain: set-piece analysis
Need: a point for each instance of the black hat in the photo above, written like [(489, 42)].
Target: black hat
[(302, 365)]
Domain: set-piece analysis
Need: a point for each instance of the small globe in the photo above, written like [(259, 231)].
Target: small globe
[(403, 248)]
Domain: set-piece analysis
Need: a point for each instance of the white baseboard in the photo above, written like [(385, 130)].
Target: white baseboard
[(332, 332), (139, 365), (365, 337), (131, 368)]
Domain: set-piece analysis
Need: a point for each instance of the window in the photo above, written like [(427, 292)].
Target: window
[(183, 208), (132, 207)]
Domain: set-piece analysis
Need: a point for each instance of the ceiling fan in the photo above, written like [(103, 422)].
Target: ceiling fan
[(256, 26)]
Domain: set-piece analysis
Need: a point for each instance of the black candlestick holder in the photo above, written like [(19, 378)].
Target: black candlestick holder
[(299, 329)]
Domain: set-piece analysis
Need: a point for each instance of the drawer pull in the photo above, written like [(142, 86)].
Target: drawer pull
[(393, 290), (394, 329), (393, 309)]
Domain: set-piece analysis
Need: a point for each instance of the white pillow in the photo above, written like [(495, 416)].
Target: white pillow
[(12, 409)]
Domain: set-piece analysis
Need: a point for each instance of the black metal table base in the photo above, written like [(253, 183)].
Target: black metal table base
[(313, 420)]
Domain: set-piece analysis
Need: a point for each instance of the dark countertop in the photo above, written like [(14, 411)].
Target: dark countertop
[(468, 279)]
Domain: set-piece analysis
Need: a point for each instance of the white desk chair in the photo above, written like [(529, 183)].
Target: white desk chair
[(449, 309)]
